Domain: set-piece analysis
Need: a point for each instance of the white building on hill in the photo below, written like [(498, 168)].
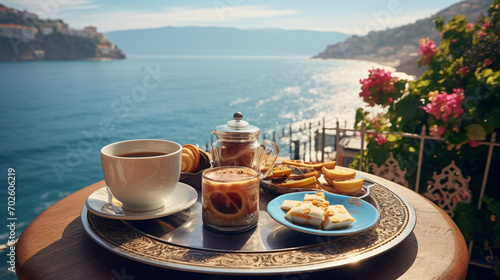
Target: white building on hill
[(19, 32)]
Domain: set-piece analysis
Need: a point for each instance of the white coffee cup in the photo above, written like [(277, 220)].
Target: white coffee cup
[(142, 173)]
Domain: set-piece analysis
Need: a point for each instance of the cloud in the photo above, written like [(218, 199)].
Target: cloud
[(52, 8), (80, 13), (172, 16), (249, 12)]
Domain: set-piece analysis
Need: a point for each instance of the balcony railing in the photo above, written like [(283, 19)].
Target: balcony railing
[(322, 131)]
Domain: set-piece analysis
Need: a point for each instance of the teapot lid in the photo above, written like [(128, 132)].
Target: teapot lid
[(237, 126)]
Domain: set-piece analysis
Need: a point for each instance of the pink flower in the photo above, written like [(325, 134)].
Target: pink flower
[(463, 71), (437, 131), (427, 50), (376, 123), (487, 61), (445, 105), (486, 24), (470, 26), (380, 139), (482, 34), (376, 88), (454, 40), (474, 143), (459, 91)]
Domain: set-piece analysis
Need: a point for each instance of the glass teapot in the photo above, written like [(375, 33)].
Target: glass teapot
[(238, 145)]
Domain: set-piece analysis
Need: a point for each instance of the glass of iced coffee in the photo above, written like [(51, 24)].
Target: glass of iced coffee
[(230, 198)]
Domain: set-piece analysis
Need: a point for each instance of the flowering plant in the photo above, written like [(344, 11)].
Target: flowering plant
[(380, 88), (457, 98), (427, 51), (457, 101)]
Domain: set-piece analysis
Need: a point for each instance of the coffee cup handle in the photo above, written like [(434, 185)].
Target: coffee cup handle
[(269, 156)]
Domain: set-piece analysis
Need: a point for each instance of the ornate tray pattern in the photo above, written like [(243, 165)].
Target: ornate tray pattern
[(397, 220)]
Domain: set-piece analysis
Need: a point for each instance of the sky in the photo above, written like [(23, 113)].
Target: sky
[(352, 17)]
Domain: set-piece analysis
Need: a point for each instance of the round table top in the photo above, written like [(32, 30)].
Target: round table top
[(56, 246)]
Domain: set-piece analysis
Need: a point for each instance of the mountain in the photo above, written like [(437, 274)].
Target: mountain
[(222, 41), (24, 36), (399, 46)]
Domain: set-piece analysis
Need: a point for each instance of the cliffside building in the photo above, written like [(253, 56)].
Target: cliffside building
[(104, 49), (89, 32), (18, 32), (5, 10), (46, 30), (90, 29)]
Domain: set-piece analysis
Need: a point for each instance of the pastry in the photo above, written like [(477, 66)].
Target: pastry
[(187, 160), (194, 159), (196, 155)]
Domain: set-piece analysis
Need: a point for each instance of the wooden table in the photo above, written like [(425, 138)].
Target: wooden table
[(55, 246)]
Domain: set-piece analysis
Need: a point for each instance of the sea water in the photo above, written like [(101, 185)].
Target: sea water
[(56, 115)]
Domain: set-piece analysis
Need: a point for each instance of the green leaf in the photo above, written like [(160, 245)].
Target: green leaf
[(423, 83), (493, 206), (484, 74), (360, 116), (410, 113), (489, 125), (493, 79), (392, 138), (454, 138), (439, 22), (476, 132)]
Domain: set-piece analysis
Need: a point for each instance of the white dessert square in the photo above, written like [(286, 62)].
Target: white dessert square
[(337, 217), (322, 204), (288, 204), (319, 196), (306, 213)]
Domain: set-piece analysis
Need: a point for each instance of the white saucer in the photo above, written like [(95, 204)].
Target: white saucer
[(183, 197)]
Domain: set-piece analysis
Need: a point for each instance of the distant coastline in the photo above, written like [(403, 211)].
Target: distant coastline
[(25, 37), (398, 47), (212, 40)]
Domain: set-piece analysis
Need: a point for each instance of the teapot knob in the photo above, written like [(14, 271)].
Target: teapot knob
[(238, 116)]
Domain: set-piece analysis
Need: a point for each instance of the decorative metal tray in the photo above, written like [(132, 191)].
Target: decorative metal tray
[(181, 242)]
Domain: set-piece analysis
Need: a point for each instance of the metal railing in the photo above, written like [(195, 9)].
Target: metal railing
[(421, 137)]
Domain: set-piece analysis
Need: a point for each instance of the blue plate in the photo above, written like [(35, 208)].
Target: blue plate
[(365, 214)]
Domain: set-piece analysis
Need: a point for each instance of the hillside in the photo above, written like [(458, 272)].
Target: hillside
[(23, 36), (399, 46), (222, 41)]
